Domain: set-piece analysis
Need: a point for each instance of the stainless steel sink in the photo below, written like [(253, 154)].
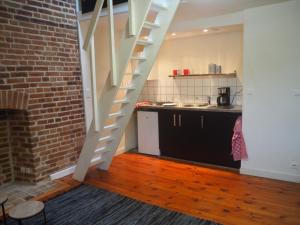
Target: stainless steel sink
[(203, 105), (220, 107), (188, 105)]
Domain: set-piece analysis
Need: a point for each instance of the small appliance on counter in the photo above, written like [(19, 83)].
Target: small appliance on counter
[(224, 96)]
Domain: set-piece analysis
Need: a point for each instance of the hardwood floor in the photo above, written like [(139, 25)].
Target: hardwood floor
[(222, 196)]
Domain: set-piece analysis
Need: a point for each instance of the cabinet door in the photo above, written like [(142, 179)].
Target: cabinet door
[(191, 134), (218, 130), (169, 136)]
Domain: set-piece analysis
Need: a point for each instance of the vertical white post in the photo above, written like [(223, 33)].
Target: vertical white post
[(94, 84), (113, 72), (93, 23), (131, 17)]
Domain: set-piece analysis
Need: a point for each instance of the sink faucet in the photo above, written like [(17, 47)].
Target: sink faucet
[(208, 100)]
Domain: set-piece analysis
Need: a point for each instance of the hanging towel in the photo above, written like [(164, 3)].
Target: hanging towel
[(238, 151)]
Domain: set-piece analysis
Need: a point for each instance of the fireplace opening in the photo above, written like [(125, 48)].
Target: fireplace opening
[(16, 157), (16, 162)]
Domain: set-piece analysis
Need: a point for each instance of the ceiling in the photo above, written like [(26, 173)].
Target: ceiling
[(200, 32), (194, 9)]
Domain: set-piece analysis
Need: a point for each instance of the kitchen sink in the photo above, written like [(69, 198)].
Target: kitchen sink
[(220, 107), (196, 105), (188, 105), (203, 105)]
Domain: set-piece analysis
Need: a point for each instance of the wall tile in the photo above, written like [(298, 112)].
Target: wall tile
[(232, 82), (183, 83), (206, 91), (214, 82), (190, 90), (169, 90), (198, 90), (183, 90), (191, 82), (198, 82), (206, 82)]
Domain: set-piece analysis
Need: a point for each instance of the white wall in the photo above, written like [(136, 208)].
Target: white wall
[(271, 111), (197, 52)]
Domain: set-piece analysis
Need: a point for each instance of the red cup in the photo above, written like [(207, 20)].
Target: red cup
[(176, 72), (186, 72)]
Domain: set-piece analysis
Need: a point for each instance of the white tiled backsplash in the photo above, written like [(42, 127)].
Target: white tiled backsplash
[(191, 90)]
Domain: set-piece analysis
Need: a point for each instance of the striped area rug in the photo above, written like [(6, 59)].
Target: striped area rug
[(88, 205)]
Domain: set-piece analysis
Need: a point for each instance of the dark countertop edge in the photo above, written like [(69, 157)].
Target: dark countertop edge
[(236, 109)]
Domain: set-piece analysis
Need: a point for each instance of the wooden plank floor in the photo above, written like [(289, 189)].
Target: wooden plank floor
[(222, 196)]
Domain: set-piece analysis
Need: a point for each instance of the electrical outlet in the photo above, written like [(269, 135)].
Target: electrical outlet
[(294, 165)]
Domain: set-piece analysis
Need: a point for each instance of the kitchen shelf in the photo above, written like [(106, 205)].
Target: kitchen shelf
[(206, 75)]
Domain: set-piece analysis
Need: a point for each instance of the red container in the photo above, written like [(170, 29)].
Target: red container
[(186, 72), (176, 72)]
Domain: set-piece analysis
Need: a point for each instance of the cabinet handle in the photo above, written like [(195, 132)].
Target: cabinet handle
[(174, 120), (202, 122), (179, 120)]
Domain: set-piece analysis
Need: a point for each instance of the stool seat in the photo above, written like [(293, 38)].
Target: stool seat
[(26, 210)]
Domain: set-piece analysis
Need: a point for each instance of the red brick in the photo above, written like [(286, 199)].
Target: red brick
[(40, 60)]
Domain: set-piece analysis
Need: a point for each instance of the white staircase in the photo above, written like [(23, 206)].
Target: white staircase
[(146, 28)]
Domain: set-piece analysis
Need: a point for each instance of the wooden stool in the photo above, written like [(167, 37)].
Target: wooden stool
[(3, 199), (27, 210)]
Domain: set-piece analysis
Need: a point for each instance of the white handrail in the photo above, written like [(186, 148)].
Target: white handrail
[(113, 69), (93, 24), (94, 85), (131, 17)]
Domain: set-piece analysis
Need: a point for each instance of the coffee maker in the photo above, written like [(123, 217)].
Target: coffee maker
[(224, 96)]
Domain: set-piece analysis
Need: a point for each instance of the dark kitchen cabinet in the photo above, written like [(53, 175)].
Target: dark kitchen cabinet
[(200, 136), (169, 142)]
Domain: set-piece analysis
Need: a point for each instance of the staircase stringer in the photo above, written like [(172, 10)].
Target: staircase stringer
[(164, 18)]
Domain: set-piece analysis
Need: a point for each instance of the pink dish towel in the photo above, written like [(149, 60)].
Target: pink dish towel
[(239, 150)]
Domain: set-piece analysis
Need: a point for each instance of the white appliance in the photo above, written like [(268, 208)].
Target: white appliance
[(148, 141)]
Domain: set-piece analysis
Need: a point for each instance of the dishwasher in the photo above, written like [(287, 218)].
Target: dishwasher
[(148, 133)]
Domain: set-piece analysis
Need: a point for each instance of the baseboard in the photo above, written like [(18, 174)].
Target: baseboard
[(71, 169), (62, 173), (271, 175)]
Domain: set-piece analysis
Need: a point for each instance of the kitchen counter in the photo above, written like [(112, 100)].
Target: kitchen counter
[(210, 108)]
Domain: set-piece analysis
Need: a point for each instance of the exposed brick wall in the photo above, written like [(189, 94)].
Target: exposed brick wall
[(39, 56), (5, 167), (13, 100)]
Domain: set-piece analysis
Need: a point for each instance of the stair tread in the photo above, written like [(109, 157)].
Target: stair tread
[(128, 88), (138, 57), (134, 74), (101, 150), (106, 138), (112, 126), (159, 6), (144, 42), (125, 100), (117, 114), (150, 25), (97, 160)]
